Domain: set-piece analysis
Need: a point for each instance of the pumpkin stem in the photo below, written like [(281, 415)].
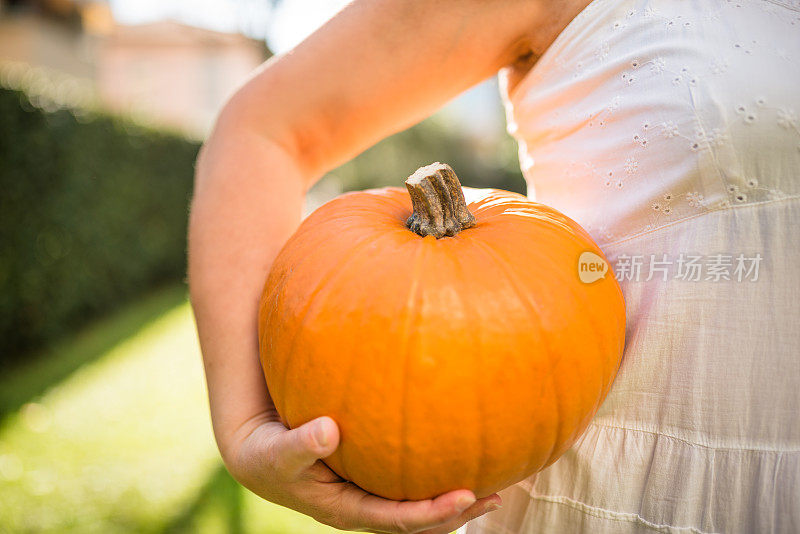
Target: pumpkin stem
[(438, 200)]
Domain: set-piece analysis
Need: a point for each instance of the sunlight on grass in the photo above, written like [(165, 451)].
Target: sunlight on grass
[(124, 444)]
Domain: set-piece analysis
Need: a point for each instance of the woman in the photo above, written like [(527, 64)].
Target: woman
[(668, 129)]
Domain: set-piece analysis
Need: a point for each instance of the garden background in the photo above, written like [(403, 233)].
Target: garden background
[(103, 417)]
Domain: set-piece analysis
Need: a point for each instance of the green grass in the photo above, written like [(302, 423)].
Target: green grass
[(109, 432)]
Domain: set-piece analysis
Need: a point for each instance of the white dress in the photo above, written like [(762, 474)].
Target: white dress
[(670, 130)]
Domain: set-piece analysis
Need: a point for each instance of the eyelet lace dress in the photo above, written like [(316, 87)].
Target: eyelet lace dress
[(670, 130)]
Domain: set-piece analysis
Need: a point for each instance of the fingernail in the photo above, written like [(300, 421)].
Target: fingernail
[(464, 502), (493, 506), (320, 434)]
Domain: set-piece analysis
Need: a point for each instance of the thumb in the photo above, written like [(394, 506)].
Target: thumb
[(296, 450)]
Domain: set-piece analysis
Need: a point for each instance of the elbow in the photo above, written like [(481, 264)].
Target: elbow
[(246, 141), (262, 111)]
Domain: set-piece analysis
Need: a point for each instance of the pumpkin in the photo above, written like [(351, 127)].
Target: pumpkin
[(453, 343)]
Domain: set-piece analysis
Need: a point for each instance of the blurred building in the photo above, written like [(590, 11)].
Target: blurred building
[(173, 74), (178, 73)]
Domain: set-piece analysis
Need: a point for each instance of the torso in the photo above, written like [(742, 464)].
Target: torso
[(670, 128)]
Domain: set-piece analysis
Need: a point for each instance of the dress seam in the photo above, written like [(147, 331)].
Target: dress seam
[(696, 444), (791, 7), (612, 515), (724, 207)]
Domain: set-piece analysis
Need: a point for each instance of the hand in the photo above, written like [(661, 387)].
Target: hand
[(283, 466)]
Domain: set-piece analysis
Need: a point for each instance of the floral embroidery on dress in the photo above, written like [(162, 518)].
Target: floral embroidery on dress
[(694, 199), (787, 118), (709, 134), (718, 67), (663, 204), (737, 195), (703, 140), (669, 129), (628, 77), (650, 12), (658, 65), (750, 189), (660, 207), (602, 50), (631, 165)]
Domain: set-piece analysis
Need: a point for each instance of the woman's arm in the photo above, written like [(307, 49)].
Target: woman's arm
[(377, 67)]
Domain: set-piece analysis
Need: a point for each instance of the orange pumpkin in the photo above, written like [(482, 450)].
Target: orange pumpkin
[(456, 347)]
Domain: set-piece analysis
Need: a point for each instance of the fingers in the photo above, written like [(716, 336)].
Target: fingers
[(298, 449), (482, 506), (372, 513)]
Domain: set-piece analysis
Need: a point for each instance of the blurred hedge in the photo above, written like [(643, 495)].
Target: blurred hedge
[(93, 211), (93, 208), (489, 159)]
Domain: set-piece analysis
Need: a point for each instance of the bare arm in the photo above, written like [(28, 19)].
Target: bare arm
[(376, 68)]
